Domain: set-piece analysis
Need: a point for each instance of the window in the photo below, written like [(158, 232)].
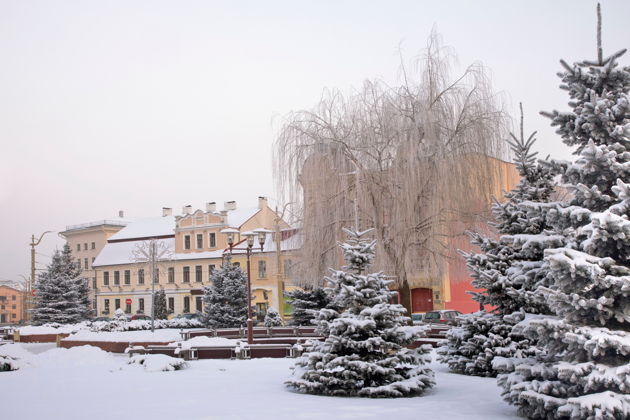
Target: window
[(171, 304), (93, 245), (262, 269), (141, 276), (78, 247), (186, 241), (13, 297), (116, 304), (127, 277), (171, 275), (186, 304), (141, 305), (156, 276), (186, 274), (116, 278), (237, 264), (93, 258), (127, 308), (85, 246), (198, 273), (198, 304), (105, 278), (12, 306), (210, 271), (85, 263), (212, 240), (199, 241), (106, 306), (79, 262)]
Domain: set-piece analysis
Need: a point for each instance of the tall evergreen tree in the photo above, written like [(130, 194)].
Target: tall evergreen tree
[(225, 300), (306, 304), (61, 292), (508, 270), (161, 310), (584, 372), (364, 352)]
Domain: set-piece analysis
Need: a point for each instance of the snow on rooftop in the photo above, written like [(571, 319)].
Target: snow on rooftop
[(237, 217), (122, 252), (146, 228), (117, 253)]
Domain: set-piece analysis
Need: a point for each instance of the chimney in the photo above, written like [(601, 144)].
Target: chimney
[(121, 214), (187, 209), (167, 211), (211, 207), (262, 202), (229, 205)]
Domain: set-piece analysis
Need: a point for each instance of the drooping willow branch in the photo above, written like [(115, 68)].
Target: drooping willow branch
[(417, 161)]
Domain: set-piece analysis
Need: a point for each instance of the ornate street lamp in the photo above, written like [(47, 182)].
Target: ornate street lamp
[(250, 237)]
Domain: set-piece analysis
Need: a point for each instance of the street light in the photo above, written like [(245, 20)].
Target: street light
[(249, 235)]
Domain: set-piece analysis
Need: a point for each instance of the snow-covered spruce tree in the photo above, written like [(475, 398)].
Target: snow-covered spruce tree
[(364, 351), (585, 371), (508, 271), (161, 310), (306, 304), (61, 292), (272, 318), (225, 300)]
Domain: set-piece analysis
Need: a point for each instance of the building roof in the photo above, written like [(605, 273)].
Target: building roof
[(118, 253), (236, 218), (116, 222), (153, 227)]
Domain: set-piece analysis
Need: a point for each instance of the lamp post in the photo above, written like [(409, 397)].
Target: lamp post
[(29, 285), (249, 237)]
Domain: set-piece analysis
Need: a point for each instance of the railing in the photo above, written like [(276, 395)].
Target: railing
[(110, 222)]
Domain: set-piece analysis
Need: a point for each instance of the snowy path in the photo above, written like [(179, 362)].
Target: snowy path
[(224, 389)]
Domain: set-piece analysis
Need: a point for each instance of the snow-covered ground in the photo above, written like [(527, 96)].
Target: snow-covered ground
[(86, 382)]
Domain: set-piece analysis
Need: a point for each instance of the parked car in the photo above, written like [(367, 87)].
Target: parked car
[(445, 316), (101, 318), (194, 315), (417, 318), (141, 317)]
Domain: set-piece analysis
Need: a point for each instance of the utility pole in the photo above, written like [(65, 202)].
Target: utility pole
[(153, 285), (279, 270), (29, 284)]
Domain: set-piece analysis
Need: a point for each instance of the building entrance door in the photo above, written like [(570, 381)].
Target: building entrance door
[(421, 300)]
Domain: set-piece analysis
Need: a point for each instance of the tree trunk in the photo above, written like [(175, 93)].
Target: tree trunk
[(404, 291)]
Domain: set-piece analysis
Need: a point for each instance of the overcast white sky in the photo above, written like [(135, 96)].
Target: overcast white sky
[(134, 105)]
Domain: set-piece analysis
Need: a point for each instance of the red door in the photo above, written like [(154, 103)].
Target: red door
[(421, 300)]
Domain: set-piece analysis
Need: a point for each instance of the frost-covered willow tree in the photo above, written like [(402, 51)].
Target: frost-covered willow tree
[(364, 352), (508, 270), (585, 371), (404, 159)]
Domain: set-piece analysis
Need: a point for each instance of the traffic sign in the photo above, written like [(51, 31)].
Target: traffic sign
[(128, 301)]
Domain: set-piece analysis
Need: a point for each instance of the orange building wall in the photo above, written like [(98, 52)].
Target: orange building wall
[(11, 305)]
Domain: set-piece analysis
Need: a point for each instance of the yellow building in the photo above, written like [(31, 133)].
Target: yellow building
[(191, 246), (87, 240)]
